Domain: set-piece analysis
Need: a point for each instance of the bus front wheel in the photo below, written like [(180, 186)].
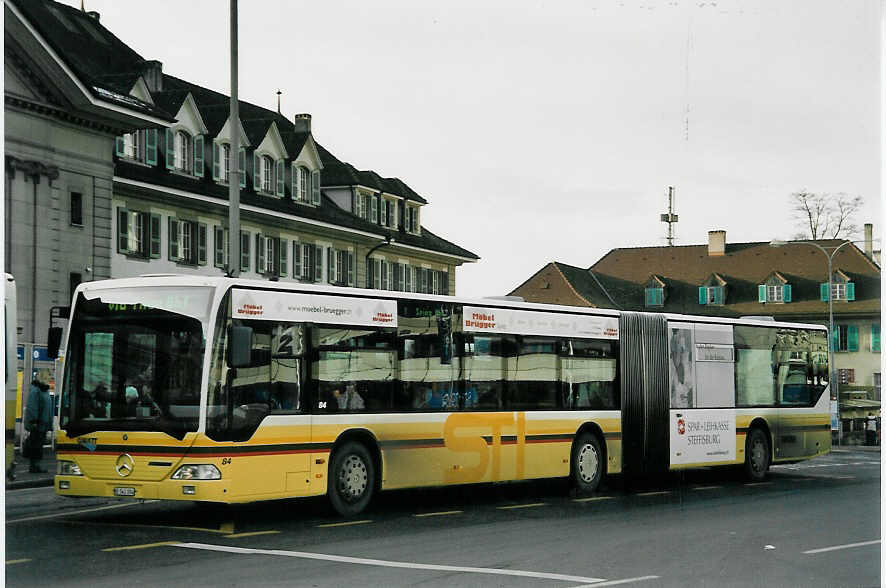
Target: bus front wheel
[(587, 463), (756, 455), (351, 479)]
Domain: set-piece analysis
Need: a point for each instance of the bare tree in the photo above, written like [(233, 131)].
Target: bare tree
[(825, 215)]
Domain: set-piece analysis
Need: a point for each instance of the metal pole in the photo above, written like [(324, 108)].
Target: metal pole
[(234, 178), (831, 345)]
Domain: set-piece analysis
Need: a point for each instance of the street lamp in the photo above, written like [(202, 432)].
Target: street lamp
[(831, 379)]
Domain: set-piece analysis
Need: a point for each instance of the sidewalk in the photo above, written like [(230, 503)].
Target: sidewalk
[(25, 479)]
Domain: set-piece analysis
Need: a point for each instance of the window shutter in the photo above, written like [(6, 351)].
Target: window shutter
[(155, 236), (244, 251), (398, 277), (256, 168), (835, 338), (875, 338), (241, 156), (786, 292), (318, 264), (315, 187), (281, 177), (215, 161), (170, 149), (850, 290), (293, 170), (852, 338), (259, 253), (120, 146), (407, 278), (761, 293), (296, 260), (284, 257), (218, 237), (330, 265), (384, 275), (198, 156), (122, 230), (151, 143), (202, 239), (173, 239), (702, 295), (445, 284), (824, 293)]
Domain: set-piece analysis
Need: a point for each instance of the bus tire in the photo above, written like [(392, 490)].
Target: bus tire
[(351, 479), (756, 455), (588, 463)]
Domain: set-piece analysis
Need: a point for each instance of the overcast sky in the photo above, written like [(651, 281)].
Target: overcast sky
[(550, 130)]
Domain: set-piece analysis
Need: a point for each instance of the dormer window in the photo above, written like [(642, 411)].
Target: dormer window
[(225, 163), (842, 288), (182, 161), (302, 180), (411, 220), (775, 290), (713, 291), (267, 174), (140, 145), (654, 292)]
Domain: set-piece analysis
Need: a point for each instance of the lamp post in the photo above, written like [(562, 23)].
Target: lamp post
[(831, 379)]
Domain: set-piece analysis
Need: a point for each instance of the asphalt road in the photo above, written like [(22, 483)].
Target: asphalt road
[(810, 524)]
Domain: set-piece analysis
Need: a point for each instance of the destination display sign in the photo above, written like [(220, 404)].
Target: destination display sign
[(313, 308), (479, 319)]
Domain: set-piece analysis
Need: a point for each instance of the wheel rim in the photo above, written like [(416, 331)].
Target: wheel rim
[(353, 478), (588, 461), (758, 455)]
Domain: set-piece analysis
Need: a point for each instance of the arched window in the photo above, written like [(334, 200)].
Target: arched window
[(183, 151), (267, 174)]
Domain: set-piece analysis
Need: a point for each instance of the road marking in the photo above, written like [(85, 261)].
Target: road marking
[(592, 498), (516, 506), (143, 546), (759, 484), (345, 524), (140, 526), (656, 493), (10, 562), (252, 534), (837, 547), (72, 512), (617, 582), (389, 564), (707, 487), (438, 514)]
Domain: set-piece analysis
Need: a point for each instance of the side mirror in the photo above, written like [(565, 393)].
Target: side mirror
[(240, 346), (54, 341)]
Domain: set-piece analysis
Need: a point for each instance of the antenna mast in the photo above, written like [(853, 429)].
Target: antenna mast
[(670, 217)]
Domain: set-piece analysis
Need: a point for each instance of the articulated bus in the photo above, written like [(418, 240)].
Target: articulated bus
[(230, 390)]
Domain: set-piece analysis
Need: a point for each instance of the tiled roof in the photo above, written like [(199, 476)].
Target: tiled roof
[(96, 56), (624, 273)]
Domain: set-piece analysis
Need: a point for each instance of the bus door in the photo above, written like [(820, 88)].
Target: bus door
[(800, 366)]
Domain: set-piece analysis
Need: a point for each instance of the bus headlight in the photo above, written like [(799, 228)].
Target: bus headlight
[(203, 471), (68, 468)]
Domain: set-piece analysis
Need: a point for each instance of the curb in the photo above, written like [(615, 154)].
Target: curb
[(35, 483)]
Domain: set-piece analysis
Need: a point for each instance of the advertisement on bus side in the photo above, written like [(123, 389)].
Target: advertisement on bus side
[(313, 308), (500, 320), (702, 436)]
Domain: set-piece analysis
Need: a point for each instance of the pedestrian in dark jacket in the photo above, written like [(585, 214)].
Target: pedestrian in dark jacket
[(38, 418)]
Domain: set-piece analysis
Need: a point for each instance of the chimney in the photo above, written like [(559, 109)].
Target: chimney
[(152, 72), (716, 243), (869, 240), (302, 123), (95, 15)]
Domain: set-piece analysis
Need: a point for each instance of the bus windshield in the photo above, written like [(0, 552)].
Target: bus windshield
[(134, 360)]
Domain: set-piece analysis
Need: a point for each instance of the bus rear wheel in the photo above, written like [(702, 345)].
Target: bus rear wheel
[(351, 479), (756, 455), (587, 463)]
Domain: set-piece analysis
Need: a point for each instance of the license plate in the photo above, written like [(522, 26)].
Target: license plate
[(124, 491)]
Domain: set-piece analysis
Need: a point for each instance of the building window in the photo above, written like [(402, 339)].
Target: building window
[(875, 337), (187, 241), (412, 224), (711, 295), (226, 163), (841, 290), (846, 375), (845, 338), (221, 247), (340, 267), (77, 209), (654, 296), (132, 145), (138, 233), (876, 386), (301, 183), (183, 152), (244, 251), (267, 174), (138, 146), (774, 294), (307, 262)]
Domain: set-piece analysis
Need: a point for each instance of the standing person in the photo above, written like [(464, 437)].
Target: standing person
[(871, 430), (38, 418)]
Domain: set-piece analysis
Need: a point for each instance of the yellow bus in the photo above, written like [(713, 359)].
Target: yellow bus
[(231, 390)]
